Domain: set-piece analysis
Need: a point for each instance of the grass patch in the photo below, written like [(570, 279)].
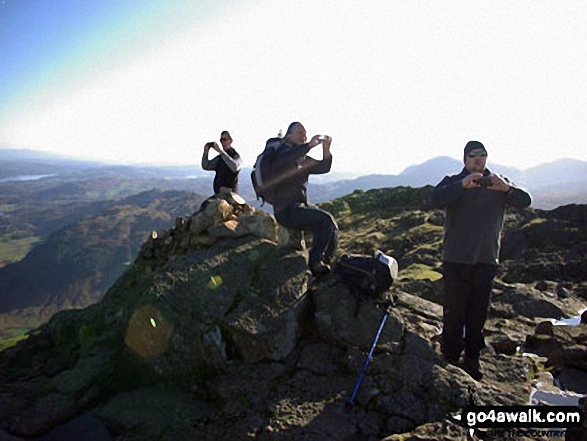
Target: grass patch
[(426, 229), (418, 271), (10, 342), (14, 250)]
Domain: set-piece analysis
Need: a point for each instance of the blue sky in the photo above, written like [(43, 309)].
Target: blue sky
[(393, 82), (51, 46)]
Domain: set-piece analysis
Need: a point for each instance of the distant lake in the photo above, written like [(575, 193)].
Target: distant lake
[(27, 178)]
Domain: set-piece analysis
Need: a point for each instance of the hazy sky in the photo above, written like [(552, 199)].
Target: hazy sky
[(393, 82)]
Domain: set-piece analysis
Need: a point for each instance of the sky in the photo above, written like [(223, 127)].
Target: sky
[(395, 83)]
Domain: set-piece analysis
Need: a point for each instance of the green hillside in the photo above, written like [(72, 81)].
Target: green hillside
[(76, 264)]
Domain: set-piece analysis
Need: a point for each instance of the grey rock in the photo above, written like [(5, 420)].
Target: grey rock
[(320, 359), (150, 411), (46, 412), (572, 379), (245, 386), (336, 320), (85, 373), (522, 300), (229, 228), (563, 345)]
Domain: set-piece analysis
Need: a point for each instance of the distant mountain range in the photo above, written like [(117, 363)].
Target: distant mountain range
[(553, 184)]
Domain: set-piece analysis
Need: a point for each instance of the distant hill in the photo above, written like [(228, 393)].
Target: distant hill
[(558, 183), (77, 263), (554, 184), (15, 162)]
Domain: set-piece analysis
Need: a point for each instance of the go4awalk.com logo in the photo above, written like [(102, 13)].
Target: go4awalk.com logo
[(521, 417)]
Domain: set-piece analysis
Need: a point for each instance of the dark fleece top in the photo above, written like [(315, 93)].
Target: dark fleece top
[(225, 177), (292, 166), (474, 218)]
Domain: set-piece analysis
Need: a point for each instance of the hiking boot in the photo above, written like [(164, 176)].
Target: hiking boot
[(320, 269), (452, 360), (472, 367)]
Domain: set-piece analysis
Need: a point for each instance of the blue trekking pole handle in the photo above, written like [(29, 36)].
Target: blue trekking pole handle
[(366, 364)]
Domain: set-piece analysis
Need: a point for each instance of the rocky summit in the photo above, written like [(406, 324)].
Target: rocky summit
[(217, 332)]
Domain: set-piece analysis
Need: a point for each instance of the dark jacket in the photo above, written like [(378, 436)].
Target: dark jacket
[(226, 176), (474, 218), (292, 167)]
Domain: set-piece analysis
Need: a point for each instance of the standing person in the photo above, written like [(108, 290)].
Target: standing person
[(475, 201), (227, 164), (292, 168)]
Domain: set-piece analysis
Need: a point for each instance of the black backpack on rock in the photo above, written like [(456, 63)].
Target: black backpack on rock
[(367, 275), (263, 176)]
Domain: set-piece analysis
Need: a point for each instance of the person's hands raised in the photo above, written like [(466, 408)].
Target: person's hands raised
[(470, 181)]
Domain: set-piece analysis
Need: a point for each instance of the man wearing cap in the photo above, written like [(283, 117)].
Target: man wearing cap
[(292, 210), (475, 201)]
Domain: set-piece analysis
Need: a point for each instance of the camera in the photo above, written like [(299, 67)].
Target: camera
[(485, 181), (322, 137)]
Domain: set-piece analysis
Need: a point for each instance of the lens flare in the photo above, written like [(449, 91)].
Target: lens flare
[(148, 332), (215, 282)]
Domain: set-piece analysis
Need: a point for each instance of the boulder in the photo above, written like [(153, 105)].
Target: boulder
[(260, 224), (150, 411), (229, 228), (522, 300), (563, 345), (218, 210), (199, 223)]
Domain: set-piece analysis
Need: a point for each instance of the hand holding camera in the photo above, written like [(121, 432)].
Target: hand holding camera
[(498, 183), (211, 145), (490, 182), (315, 141), (321, 139), (484, 181), (470, 181)]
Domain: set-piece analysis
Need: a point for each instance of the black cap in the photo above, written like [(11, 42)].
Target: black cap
[(473, 145)]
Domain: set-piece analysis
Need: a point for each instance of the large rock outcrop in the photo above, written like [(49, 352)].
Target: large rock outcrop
[(216, 332)]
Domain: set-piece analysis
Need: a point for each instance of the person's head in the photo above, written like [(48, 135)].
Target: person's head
[(296, 134), (225, 140), (475, 157)]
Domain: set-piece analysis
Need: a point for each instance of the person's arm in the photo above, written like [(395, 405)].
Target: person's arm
[(234, 164), (515, 197), (293, 153), (207, 164), (448, 191), (315, 167)]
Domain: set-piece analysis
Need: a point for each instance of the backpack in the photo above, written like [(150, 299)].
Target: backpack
[(262, 175), (367, 275)]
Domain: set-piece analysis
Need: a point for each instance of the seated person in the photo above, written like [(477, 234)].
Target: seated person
[(292, 210)]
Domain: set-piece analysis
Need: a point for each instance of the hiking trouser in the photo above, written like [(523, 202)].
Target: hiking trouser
[(321, 223), (467, 292)]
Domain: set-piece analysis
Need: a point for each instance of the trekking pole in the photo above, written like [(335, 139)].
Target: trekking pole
[(349, 404)]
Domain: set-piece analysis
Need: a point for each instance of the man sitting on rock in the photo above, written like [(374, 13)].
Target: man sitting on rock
[(227, 165), (475, 201), (292, 168)]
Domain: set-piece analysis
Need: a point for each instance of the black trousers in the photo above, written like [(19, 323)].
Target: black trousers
[(321, 223), (467, 293)]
